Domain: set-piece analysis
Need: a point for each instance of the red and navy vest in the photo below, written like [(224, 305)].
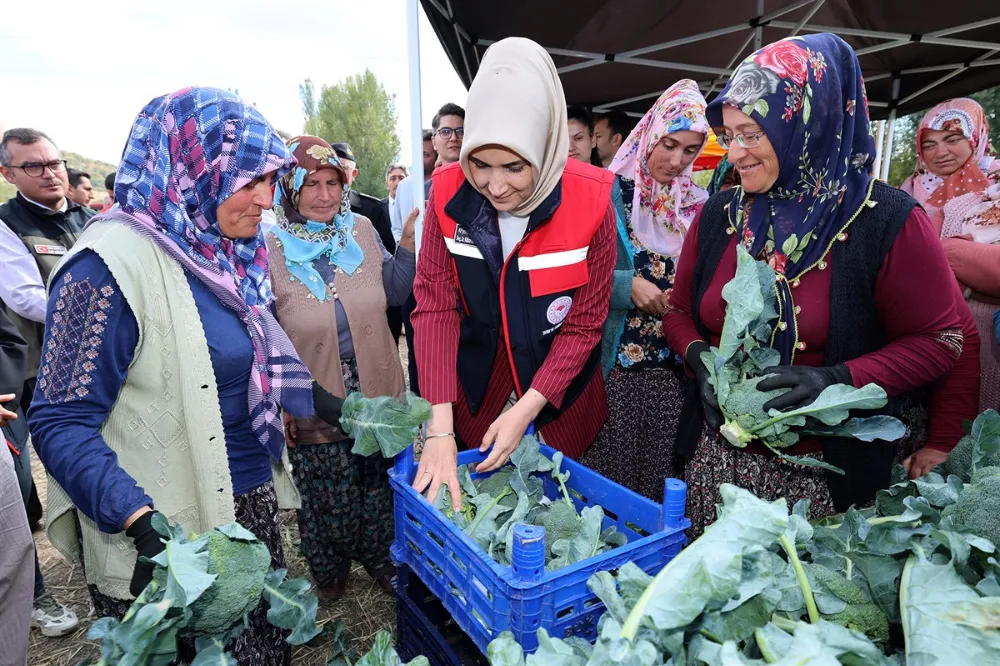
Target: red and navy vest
[(526, 298)]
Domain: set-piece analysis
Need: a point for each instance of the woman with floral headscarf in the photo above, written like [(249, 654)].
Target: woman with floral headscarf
[(656, 202), (957, 181), (165, 372), (847, 251), (332, 282)]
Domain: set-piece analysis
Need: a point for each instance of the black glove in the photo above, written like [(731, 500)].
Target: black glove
[(805, 382), (148, 542), (327, 405), (709, 402)]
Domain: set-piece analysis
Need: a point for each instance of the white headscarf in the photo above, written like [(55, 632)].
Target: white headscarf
[(517, 101)]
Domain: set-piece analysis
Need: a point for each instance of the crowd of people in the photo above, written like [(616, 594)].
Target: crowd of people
[(186, 350)]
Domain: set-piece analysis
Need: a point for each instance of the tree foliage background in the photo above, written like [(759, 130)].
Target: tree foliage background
[(359, 111), (904, 148)]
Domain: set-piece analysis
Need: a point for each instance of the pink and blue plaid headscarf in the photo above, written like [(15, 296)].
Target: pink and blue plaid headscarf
[(187, 153)]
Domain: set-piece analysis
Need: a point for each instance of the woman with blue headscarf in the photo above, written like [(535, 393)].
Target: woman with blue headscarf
[(864, 290), (332, 282), (164, 373)]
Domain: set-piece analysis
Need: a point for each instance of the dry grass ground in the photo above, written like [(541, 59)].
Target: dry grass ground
[(364, 610)]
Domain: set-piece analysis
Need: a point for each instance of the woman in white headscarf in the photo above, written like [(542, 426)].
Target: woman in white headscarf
[(524, 243)]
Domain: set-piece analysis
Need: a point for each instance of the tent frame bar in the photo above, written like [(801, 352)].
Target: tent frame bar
[(756, 25)]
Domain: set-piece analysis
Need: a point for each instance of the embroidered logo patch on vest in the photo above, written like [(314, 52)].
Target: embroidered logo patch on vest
[(50, 249), (558, 309)]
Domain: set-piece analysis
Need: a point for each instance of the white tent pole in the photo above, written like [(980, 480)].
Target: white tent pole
[(890, 131), (878, 146), (808, 17), (416, 122)]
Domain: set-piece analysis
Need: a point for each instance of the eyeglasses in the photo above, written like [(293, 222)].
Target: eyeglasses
[(751, 140), (35, 170), (446, 132)]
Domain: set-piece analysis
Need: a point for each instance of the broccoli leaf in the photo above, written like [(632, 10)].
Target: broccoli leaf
[(384, 654), (585, 543), (213, 654), (744, 304), (885, 428), (505, 651), (711, 568), (292, 606), (186, 563), (833, 405), (943, 617), (383, 424)]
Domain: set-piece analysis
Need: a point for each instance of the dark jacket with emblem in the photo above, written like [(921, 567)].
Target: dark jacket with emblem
[(48, 235), (497, 327)]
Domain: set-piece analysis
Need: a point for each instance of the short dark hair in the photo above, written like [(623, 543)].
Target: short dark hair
[(618, 121), (24, 136), (581, 115), (109, 182), (76, 176), (428, 134), (448, 109)]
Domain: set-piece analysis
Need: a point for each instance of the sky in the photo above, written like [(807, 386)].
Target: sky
[(80, 72)]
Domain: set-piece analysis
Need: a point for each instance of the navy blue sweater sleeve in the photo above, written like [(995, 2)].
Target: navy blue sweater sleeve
[(90, 340)]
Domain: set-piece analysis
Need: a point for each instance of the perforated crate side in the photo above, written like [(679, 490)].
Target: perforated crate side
[(486, 598)]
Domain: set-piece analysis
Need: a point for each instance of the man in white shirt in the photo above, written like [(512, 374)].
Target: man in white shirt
[(448, 128)]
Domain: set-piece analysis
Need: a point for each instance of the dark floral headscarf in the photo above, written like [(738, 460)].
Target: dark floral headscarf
[(808, 96)]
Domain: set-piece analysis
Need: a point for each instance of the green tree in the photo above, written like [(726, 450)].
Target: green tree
[(360, 112)]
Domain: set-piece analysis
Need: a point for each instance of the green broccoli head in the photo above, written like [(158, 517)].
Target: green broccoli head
[(867, 619), (744, 410), (242, 567), (959, 461), (861, 615), (978, 506)]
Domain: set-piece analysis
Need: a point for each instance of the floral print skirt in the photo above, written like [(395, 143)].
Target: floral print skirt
[(636, 446), (346, 509), (261, 643), (717, 461)]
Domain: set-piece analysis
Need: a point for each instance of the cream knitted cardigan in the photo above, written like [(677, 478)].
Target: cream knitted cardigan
[(166, 426)]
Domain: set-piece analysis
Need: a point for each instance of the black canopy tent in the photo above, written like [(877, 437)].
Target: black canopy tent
[(622, 54)]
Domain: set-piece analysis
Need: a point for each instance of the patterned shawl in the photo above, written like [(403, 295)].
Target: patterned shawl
[(935, 192), (661, 214), (808, 97), (719, 177), (187, 153), (304, 241)]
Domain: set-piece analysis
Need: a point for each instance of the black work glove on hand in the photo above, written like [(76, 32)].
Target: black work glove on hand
[(805, 382), (327, 405), (709, 401), (148, 542)]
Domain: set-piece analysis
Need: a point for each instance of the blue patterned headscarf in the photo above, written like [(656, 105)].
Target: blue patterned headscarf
[(808, 96), (187, 153), (305, 241)]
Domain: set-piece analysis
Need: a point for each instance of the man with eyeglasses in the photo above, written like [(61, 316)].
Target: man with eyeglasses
[(37, 227), (447, 134)]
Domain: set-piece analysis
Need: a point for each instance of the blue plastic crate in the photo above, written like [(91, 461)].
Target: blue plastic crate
[(486, 598), (425, 627)]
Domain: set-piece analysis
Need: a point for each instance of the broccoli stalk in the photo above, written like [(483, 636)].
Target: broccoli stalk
[(800, 575)]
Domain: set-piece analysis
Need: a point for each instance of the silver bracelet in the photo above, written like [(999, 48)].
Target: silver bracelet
[(443, 434)]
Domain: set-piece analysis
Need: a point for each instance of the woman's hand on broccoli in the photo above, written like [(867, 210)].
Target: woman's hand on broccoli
[(805, 384)]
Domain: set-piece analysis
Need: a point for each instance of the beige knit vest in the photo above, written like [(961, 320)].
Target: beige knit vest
[(311, 325), (166, 426)]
